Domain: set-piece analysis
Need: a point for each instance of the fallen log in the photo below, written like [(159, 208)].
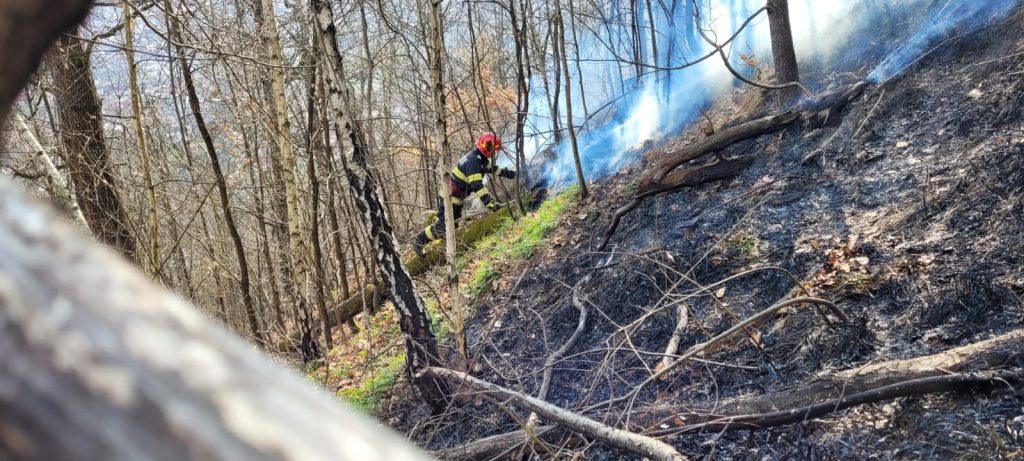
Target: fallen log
[(719, 141), (99, 363), (618, 438), (818, 111), (717, 423), (369, 298), (979, 364)]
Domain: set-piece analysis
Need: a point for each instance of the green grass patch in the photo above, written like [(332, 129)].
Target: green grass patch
[(516, 240), (368, 396)]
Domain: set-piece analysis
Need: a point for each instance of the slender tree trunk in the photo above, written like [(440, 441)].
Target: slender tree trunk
[(653, 33), (58, 187), (556, 58), (523, 74), (174, 30), (783, 53), (559, 26), (297, 243), (635, 40), (579, 69), (436, 54), (82, 134), (147, 174), (315, 143), (478, 81), (420, 344)]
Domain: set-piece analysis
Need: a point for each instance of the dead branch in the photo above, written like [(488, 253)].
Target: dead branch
[(677, 335), (487, 447), (625, 440), (721, 140), (549, 364), (823, 109), (936, 384), (712, 344), (969, 366), (660, 180)]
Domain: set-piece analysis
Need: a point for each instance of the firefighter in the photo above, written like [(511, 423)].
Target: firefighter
[(467, 178)]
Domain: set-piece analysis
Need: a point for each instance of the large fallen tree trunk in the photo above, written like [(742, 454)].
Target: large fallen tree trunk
[(979, 364), (96, 362), (370, 298)]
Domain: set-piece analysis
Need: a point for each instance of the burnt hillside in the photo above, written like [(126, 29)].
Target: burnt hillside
[(906, 212)]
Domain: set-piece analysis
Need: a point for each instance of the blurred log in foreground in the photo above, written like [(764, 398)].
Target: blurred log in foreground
[(98, 363)]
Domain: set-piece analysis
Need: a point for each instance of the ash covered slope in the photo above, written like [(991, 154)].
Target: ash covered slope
[(910, 218)]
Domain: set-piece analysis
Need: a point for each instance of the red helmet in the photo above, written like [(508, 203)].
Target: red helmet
[(488, 143)]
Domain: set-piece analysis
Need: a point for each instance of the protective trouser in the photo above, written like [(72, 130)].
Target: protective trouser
[(436, 231)]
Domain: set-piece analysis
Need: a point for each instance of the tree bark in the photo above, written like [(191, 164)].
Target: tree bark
[(420, 344), (99, 363), (140, 138), (174, 30), (81, 132), (559, 26), (783, 53), (59, 188), (436, 55), (297, 243)]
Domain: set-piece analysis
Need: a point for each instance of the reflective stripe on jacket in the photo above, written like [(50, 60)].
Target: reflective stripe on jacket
[(468, 176)]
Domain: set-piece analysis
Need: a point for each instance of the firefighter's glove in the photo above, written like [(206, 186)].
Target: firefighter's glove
[(507, 173), (494, 206)]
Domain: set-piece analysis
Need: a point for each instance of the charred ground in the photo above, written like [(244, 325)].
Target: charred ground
[(907, 213)]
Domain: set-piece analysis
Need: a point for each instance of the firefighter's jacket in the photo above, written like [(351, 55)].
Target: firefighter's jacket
[(468, 177)]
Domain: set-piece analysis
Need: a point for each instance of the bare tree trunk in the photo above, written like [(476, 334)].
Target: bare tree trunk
[(523, 75), (436, 43), (81, 132), (786, 70), (559, 26), (297, 243), (174, 30), (478, 81), (59, 188), (316, 143), (420, 344), (140, 135)]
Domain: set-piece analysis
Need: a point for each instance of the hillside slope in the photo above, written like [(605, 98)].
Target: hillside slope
[(908, 215)]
